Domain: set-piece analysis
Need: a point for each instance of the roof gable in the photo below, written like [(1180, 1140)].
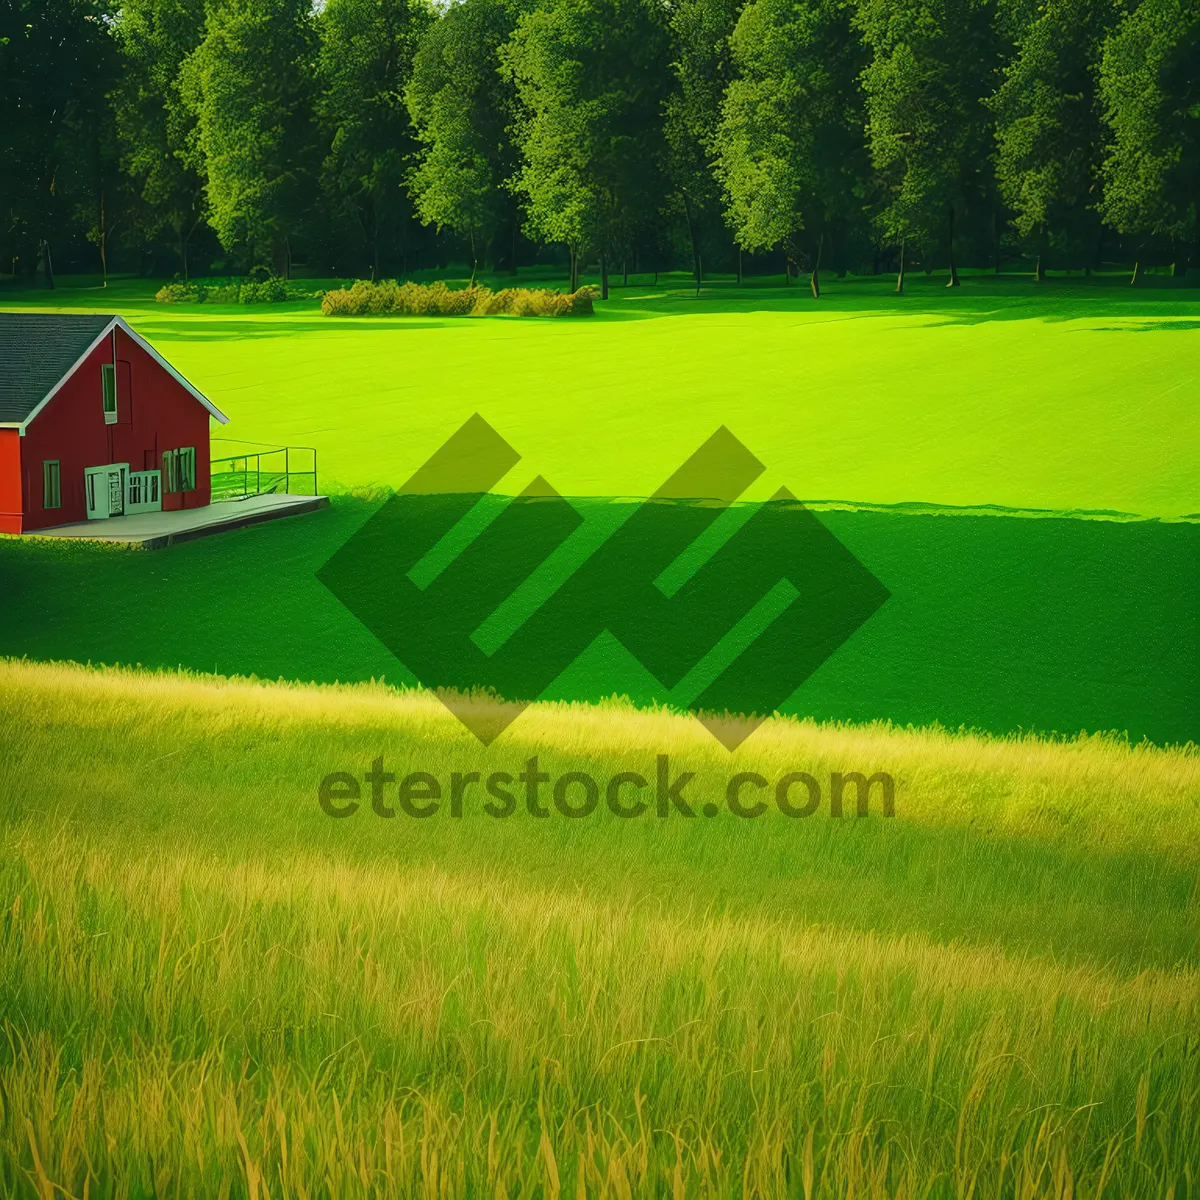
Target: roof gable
[(40, 351), (36, 351)]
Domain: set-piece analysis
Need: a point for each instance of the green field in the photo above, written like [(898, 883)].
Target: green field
[(997, 623), (209, 988), (932, 415), (1064, 397)]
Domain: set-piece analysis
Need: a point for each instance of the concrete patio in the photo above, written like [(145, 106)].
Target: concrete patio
[(154, 530)]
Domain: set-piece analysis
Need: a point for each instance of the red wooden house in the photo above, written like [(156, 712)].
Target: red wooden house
[(94, 423)]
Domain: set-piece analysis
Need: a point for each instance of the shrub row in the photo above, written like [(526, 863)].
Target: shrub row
[(437, 300), (262, 291)]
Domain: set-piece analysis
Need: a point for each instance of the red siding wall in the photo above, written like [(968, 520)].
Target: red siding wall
[(10, 481), (154, 413)]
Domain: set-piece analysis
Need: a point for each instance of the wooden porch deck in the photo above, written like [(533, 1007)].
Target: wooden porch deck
[(154, 530)]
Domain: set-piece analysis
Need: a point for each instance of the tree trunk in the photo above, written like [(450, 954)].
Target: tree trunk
[(815, 281), (603, 276), (900, 276), (1039, 271), (574, 279), (696, 267), (1137, 274), (474, 262), (183, 253), (47, 265), (103, 239), (739, 279), (625, 271), (953, 269)]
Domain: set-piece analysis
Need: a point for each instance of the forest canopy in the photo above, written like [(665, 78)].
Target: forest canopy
[(377, 137)]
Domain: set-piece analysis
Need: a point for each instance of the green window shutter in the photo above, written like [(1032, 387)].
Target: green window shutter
[(108, 379), (187, 469), (51, 484)]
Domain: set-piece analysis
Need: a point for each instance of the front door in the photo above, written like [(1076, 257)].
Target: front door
[(104, 491), (116, 494)]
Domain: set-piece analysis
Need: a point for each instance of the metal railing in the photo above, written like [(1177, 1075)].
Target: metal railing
[(280, 470)]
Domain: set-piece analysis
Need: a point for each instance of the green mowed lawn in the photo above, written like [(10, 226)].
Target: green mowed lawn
[(209, 987), (994, 622), (1066, 396)]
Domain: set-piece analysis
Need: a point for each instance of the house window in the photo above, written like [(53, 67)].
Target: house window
[(51, 484), (179, 469), (108, 380)]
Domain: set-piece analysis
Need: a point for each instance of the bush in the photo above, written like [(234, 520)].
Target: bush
[(222, 293), (179, 293), (437, 300), (269, 289)]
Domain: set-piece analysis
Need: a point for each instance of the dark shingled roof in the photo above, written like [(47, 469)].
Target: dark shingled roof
[(36, 351)]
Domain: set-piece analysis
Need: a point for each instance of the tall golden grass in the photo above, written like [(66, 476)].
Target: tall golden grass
[(208, 988)]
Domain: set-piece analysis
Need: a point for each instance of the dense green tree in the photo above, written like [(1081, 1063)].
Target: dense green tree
[(104, 198), (702, 60), (251, 85), (157, 128), (790, 147), (933, 64), (57, 64), (621, 128), (462, 108), (1049, 129), (592, 77), (366, 59), (1150, 84)]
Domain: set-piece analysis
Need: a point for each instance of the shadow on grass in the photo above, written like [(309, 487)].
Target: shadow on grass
[(1161, 303), (994, 622)]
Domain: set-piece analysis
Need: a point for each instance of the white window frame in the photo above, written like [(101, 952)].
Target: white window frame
[(108, 373), (187, 468), (47, 475), (143, 492)]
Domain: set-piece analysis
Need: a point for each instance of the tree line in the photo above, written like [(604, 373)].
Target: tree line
[(382, 136)]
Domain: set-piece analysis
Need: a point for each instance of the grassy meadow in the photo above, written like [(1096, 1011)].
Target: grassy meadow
[(210, 988), (927, 429), (998, 622), (1067, 396)]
